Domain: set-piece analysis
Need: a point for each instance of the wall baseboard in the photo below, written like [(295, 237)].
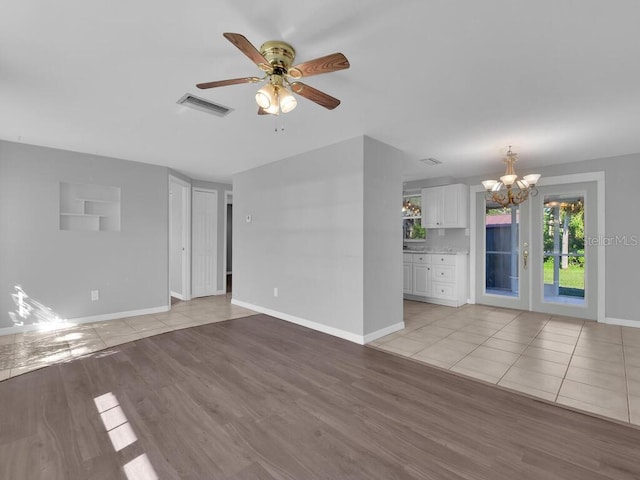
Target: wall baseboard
[(370, 337), (67, 323), (177, 295), (336, 332), (622, 322)]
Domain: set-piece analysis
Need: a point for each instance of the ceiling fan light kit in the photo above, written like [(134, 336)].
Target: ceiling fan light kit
[(275, 59)]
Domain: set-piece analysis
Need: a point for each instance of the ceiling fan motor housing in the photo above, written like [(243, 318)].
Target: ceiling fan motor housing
[(280, 55)]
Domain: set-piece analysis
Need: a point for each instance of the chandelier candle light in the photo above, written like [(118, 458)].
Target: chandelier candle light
[(510, 190)]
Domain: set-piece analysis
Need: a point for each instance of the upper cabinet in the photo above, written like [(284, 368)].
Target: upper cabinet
[(446, 206)]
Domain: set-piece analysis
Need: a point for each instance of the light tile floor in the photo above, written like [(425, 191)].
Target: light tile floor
[(586, 365), (24, 352)]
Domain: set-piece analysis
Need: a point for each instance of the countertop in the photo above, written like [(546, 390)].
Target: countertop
[(437, 251)]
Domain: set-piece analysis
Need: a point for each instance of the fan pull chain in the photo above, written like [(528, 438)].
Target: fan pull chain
[(275, 122)]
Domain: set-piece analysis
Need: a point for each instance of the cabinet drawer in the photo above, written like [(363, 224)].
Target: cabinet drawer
[(421, 258), (443, 259), (444, 273), (407, 257), (443, 290)]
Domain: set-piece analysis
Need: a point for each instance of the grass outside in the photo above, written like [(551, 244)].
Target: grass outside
[(572, 277)]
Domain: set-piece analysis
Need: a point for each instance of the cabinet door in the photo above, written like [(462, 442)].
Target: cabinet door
[(421, 279), (431, 207), (407, 278), (455, 206), (450, 206)]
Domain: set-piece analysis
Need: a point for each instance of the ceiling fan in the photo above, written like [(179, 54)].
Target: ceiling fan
[(275, 59)]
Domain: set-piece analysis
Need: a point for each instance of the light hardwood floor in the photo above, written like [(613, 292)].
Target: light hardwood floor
[(259, 398)]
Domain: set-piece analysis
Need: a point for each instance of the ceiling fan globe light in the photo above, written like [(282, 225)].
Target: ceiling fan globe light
[(265, 96), (273, 109), (287, 101)]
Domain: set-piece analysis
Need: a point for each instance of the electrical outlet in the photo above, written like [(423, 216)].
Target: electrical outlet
[(275, 291), (95, 295)]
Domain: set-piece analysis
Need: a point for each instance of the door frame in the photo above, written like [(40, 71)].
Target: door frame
[(185, 189), (597, 177), (228, 200)]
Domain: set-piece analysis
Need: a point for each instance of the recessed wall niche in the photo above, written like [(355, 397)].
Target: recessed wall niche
[(89, 208)]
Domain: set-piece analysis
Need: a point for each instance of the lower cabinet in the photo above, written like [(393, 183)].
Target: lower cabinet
[(407, 276), (436, 278)]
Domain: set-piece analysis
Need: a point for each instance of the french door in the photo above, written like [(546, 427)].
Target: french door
[(539, 255)]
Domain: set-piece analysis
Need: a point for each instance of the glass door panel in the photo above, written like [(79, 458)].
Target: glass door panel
[(564, 280), (563, 242), (503, 237), (502, 233)]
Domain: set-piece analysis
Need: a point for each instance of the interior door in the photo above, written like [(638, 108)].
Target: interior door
[(205, 243), (503, 246)]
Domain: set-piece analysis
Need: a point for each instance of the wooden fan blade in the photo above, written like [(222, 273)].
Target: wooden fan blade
[(246, 47), (224, 83), (330, 63), (315, 95), (262, 111)]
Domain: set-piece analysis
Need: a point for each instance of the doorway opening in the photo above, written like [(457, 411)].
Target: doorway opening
[(228, 241)]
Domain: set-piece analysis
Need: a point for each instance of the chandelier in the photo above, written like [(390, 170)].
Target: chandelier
[(510, 190)]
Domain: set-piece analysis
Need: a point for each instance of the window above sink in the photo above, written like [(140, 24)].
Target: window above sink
[(412, 229)]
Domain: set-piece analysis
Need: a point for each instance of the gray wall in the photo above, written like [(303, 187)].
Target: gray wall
[(382, 241), (622, 197), (305, 236), (60, 268), (220, 188), (324, 231)]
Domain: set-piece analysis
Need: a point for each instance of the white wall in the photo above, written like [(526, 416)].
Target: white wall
[(60, 268), (307, 238)]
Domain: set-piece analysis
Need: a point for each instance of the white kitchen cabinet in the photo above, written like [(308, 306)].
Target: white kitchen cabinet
[(422, 279), (436, 278), (421, 274), (407, 276), (446, 206)]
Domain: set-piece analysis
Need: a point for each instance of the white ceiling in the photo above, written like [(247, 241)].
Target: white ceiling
[(455, 80)]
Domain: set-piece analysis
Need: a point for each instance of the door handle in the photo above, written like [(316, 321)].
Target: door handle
[(525, 255)]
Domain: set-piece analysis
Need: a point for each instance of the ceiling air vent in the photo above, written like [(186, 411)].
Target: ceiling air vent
[(203, 105), (430, 161)]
